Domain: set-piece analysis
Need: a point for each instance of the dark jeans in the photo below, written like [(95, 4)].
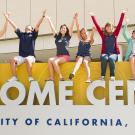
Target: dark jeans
[(112, 58)]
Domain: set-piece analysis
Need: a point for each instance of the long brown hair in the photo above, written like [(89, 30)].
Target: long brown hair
[(67, 32), (108, 25)]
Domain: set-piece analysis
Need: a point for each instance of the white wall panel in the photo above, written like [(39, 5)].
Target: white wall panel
[(127, 5), (2, 11), (20, 13), (37, 7), (66, 10)]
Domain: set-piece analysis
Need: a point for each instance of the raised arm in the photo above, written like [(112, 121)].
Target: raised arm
[(2, 32), (92, 35), (51, 25), (117, 30), (40, 21), (77, 25), (125, 33), (72, 25), (11, 22), (97, 25)]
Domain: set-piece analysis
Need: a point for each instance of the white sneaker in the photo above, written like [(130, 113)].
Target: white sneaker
[(102, 78), (14, 78), (31, 79), (112, 78)]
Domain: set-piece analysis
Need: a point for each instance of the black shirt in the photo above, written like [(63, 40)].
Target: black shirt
[(62, 44), (27, 43)]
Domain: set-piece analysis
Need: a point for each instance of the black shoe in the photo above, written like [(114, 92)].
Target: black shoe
[(49, 80), (71, 76), (62, 79)]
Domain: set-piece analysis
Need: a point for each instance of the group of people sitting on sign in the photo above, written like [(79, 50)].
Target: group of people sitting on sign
[(109, 52)]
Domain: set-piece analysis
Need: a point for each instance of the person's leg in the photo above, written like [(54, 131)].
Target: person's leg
[(112, 59), (14, 62), (56, 62), (50, 66), (79, 60), (132, 65), (13, 66), (104, 59), (29, 61), (86, 65)]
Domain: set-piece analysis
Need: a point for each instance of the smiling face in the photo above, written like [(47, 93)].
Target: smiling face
[(28, 29), (83, 34), (63, 30), (109, 28)]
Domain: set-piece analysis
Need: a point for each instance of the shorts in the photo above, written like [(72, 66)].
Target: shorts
[(132, 55), (85, 58), (20, 60), (65, 57)]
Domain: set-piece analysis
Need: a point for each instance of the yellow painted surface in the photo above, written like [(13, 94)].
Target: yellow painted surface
[(41, 73)]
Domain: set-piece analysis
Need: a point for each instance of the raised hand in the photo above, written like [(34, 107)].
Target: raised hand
[(47, 17), (94, 29), (124, 11), (91, 14), (7, 15), (76, 16), (44, 13)]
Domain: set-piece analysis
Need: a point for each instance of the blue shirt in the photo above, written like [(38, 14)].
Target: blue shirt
[(110, 44), (26, 43), (62, 44), (84, 49)]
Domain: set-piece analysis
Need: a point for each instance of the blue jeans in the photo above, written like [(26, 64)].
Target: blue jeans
[(112, 58)]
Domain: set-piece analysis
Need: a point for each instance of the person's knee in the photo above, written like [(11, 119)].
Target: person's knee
[(12, 61), (85, 62), (79, 60), (27, 61), (104, 59), (55, 62), (50, 60), (111, 60)]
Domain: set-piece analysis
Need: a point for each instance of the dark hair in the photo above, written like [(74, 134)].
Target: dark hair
[(67, 32), (133, 31), (107, 25)]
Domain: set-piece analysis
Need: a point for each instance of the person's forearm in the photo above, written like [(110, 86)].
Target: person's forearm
[(78, 28), (92, 37), (12, 24), (52, 27), (39, 23), (97, 26), (117, 30), (71, 27), (124, 32), (77, 25), (3, 31)]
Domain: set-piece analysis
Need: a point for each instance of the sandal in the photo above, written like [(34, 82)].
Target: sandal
[(88, 81), (71, 76)]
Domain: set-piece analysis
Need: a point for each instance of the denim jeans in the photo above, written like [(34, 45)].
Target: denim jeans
[(112, 58)]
